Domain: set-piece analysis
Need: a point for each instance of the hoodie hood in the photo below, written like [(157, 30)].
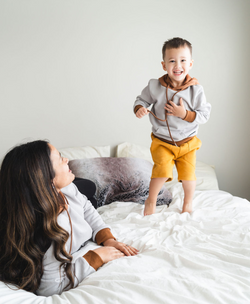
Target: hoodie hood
[(165, 81)]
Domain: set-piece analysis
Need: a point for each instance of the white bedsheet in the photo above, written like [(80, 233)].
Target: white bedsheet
[(199, 258)]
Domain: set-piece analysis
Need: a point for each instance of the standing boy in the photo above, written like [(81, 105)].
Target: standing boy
[(178, 107)]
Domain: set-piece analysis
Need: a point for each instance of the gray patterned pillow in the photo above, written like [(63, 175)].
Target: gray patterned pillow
[(118, 179)]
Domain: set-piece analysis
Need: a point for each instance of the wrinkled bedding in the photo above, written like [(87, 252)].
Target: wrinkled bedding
[(203, 257)]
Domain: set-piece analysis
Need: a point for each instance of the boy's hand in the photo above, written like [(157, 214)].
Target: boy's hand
[(141, 112), (175, 110)]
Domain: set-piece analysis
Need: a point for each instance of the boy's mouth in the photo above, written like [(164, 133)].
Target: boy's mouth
[(177, 73)]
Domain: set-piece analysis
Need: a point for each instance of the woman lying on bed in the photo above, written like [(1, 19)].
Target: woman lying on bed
[(45, 221)]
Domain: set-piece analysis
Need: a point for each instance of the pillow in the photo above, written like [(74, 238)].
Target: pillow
[(85, 152), (118, 179), (205, 174), (131, 150)]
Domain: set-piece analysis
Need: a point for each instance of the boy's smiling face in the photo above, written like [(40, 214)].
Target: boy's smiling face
[(177, 63)]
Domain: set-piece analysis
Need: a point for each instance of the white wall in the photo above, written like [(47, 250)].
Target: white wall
[(70, 72)]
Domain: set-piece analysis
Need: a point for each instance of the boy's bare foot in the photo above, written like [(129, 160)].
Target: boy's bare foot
[(189, 188), (187, 208), (149, 207)]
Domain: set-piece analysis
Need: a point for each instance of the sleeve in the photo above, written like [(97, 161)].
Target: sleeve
[(93, 218), (145, 99), (201, 107), (190, 116), (103, 235), (54, 279), (93, 259)]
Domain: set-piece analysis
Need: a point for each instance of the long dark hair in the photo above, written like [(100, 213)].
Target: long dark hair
[(29, 206)]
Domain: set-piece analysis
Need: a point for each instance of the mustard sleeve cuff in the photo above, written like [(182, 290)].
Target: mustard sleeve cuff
[(93, 259), (137, 108), (190, 116), (103, 235)]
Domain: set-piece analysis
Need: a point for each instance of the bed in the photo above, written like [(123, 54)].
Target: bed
[(202, 257)]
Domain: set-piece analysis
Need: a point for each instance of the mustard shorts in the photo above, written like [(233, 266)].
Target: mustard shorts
[(165, 156)]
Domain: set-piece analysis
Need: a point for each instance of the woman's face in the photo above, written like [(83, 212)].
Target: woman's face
[(63, 175)]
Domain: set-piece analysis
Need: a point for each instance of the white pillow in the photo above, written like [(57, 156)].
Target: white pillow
[(136, 151), (205, 174), (85, 152)]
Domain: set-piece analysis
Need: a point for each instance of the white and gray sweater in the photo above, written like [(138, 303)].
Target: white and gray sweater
[(86, 225), (194, 100)]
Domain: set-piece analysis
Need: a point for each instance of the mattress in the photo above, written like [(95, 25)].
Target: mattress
[(202, 257)]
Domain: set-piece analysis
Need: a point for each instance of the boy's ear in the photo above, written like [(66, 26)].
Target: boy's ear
[(191, 64), (163, 65)]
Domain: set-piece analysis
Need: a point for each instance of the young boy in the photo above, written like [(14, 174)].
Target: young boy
[(178, 107)]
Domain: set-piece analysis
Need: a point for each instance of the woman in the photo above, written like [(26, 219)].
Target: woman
[(45, 221)]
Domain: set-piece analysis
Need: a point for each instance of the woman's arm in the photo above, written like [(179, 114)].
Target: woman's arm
[(102, 234), (54, 279), (93, 218)]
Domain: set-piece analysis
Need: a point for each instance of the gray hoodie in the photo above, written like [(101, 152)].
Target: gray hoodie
[(194, 100)]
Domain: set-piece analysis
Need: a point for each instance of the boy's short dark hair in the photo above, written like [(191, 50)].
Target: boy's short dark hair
[(175, 43)]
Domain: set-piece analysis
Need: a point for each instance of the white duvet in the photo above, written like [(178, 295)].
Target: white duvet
[(199, 258)]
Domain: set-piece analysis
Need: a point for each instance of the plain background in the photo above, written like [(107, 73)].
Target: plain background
[(70, 71)]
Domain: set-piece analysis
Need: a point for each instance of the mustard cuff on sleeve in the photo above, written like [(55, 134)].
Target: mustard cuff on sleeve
[(103, 235), (137, 108), (93, 259), (190, 116)]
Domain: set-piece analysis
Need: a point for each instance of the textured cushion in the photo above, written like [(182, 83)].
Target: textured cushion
[(119, 179)]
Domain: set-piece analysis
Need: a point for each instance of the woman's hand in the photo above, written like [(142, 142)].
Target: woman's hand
[(108, 253), (126, 249)]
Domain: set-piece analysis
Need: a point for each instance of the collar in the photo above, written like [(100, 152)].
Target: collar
[(167, 82)]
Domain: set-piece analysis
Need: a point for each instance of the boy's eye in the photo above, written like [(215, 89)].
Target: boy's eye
[(172, 61), (183, 60)]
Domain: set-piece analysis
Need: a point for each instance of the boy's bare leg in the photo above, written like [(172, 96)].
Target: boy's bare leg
[(189, 188), (154, 188)]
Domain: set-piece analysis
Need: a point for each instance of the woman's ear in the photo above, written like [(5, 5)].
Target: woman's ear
[(53, 185)]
